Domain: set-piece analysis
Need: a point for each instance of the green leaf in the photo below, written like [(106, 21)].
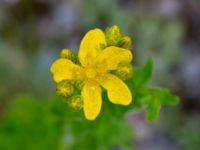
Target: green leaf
[(164, 95), (154, 97), (167, 98), (142, 74), (153, 109)]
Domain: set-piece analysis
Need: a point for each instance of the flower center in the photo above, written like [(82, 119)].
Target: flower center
[(90, 73)]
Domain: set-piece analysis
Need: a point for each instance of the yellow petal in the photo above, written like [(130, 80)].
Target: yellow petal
[(118, 92), (64, 69), (90, 46), (110, 57), (91, 100)]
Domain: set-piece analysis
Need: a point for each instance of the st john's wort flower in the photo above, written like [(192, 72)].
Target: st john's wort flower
[(95, 72)]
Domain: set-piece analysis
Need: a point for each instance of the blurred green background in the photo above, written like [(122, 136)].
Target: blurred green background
[(32, 32)]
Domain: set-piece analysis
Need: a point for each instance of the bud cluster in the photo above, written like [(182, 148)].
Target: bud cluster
[(69, 89), (114, 37)]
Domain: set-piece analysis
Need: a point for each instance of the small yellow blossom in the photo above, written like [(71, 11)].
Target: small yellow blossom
[(95, 69)]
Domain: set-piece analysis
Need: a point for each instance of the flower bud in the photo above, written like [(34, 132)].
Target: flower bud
[(124, 71), (68, 54), (113, 36), (79, 84), (76, 102), (65, 88), (125, 42)]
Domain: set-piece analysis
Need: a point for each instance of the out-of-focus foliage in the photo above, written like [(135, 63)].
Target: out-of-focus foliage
[(37, 124), (28, 125), (144, 94), (53, 125)]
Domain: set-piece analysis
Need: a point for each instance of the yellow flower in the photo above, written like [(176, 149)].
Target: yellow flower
[(95, 70)]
